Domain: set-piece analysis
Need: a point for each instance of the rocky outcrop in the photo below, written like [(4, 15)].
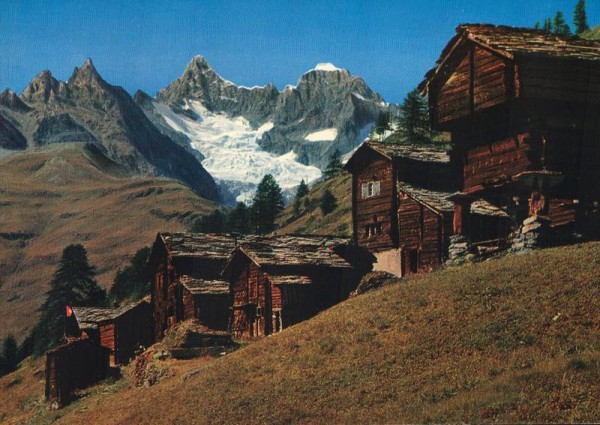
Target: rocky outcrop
[(88, 109), (10, 137)]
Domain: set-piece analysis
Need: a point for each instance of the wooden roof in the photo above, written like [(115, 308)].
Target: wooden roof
[(439, 202), (205, 287), (391, 151), (209, 245), (295, 250), (290, 280), (512, 42), (89, 317)]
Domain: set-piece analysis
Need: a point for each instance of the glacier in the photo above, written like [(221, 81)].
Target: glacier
[(232, 154)]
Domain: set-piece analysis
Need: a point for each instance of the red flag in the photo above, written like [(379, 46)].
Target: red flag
[(69, 311)]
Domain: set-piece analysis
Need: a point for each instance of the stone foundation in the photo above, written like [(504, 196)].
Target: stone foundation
[(460, 250), (534, 233)]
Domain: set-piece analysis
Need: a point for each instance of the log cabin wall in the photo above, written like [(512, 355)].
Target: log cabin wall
[(160, 283), (213, 310), (250, 299), (374, 190), (77, 364), (133, 329), (423, 234)]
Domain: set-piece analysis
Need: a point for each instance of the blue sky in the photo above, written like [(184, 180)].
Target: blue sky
[(146, 44)]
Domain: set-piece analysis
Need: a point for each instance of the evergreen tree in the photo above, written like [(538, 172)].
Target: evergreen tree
[(414, 119), (327, 203), (302, 190), (215, 222), (537, 26), (239, 219), (26, 347), (131, 283), (9, 355), (560, 25), (268, 202), (334, 167), (383, 123), (548, 25), (72, 284), (580, 18), (296, 207)]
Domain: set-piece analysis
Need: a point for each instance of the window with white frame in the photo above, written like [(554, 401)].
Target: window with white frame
[(370, 189)]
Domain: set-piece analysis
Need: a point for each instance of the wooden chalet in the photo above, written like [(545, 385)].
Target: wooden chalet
[(75, 364), (174, 255), (425, 225), (120, 330), (523, 109), (207, 301), (277, 281)]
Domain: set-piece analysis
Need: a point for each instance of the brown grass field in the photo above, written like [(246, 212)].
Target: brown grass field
[(510, 340), (311, 219), (60, 195)]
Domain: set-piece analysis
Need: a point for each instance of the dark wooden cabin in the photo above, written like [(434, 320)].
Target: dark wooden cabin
[(77, 363), (425, 224), (207, 301), (278, 281), (120, 330), (523, 108), (376, 169), (197, 255)]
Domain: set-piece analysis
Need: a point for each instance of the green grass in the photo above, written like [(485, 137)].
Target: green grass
[(510, 340), (592, 34)]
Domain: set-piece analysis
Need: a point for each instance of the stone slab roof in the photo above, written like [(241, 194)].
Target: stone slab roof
[(293, 250), (415, 152), (205, 287), (438, 201), (207, 245), (290, 280)]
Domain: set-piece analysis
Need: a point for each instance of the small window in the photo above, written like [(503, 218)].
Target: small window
[(370, 189)]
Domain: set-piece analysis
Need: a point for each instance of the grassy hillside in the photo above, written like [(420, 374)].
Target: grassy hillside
[(65, 194), (514, 339), (593, 34), (311, 220)]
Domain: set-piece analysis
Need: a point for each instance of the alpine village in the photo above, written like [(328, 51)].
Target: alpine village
[(444, 267)]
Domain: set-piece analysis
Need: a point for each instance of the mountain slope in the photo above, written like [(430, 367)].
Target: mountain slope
[(88, 109), (311, 220), (510, 340), (245, 133), (592, 34), (74, 193)]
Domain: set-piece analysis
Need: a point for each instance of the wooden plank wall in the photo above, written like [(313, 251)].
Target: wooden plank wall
[(496, 161), (250, 292), (454, 95), (133, 329), (379, 206), (212, 310), (492, 79), (77, 364)]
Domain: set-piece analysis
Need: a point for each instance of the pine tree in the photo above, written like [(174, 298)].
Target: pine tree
[(548, 25), (268, 202), (537, 25), (9, 355), (72, 284), (302, 190), (215, 222), (327, 203), (334, 167), (383, 123), (414, 119), (560, 25), (580, 18), (131, 283), (239, 219)]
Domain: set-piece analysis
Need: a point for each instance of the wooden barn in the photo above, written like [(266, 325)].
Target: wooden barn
[(425, 225), (277, 281), (76, 364), (120, 330), (197, 255), (207, 301), (523, 109)]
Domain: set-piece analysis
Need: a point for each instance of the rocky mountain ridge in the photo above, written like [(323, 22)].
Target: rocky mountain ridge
[(86, 108)]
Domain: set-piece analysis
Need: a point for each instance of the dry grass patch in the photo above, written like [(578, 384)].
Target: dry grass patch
[(514, 339)]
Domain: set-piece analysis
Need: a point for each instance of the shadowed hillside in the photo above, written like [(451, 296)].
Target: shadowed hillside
[(73, 193), (513, 339), (311, 220)]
